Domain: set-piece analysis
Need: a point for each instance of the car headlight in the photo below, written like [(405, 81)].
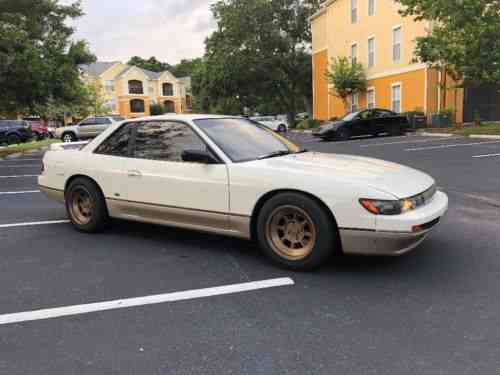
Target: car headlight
[(396, 207)]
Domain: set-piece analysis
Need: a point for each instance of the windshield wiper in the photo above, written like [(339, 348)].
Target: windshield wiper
[(274, 154)]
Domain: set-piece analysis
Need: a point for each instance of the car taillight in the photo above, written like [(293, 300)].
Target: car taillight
[(43, 167)]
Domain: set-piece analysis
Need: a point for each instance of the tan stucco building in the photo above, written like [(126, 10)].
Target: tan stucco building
[(130, 91), (373, 33)]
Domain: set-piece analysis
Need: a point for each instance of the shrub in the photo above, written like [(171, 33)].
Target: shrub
[(308, 124), (157, 109)]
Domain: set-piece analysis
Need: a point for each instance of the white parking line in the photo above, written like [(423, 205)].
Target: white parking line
[(34, 223), (403, 142), (19, 192), (21, 176), (486, 156), (450, 146), (142, 301)]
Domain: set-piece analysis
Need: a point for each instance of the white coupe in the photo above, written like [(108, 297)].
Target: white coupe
[(231, 176)]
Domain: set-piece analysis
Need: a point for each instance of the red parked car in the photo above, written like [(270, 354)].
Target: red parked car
[(39, 128)]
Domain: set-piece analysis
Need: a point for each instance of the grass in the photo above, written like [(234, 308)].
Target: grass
[(24, 147), (484, 129)]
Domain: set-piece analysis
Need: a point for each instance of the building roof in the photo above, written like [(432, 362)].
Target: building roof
[(97, 68)]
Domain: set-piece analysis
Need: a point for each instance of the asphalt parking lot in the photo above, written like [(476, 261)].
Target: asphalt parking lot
[(433, 311)]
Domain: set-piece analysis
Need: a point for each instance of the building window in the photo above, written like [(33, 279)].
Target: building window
[(396, 44), (371, 52), (354, 11), (370, 98), (109, 86), (169, 106), (354, 102), (396, 98), (354, 53), (168, 89), (135, 87), (371, 7), (137, 106)]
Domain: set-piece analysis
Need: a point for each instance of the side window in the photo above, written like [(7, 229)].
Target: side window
[(166, 141), (87, 122), (103, 121), (117, 144)]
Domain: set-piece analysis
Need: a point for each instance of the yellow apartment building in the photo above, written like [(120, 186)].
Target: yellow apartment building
[(130, 91), (373, 33)]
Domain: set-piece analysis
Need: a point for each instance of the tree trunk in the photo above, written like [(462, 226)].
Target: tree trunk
[(308, 105)]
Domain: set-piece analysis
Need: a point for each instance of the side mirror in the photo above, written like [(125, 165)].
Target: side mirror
[(198, 156)]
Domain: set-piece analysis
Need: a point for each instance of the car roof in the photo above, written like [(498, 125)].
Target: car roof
[(180, 117)]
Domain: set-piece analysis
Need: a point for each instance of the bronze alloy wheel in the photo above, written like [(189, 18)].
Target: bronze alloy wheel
[(291, 233), (81, 205)]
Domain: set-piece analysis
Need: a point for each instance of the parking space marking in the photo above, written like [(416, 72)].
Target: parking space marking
[(450, 146), (34, 223), (485, 156), (19, 192), (21, 176), (404, 142), (143, 301)]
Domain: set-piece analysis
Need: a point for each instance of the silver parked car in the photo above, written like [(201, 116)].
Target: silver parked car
[(91, 127)]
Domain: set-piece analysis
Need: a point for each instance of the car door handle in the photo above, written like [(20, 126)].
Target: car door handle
[(134, 173)]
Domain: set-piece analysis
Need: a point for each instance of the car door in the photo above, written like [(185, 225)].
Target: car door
[(162, 187), (101, 124), (87, 128), (360, 124)]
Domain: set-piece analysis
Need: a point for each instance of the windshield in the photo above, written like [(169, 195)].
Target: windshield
[(244, 140), (350, 116)]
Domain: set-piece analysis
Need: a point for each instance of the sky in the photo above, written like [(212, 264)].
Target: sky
[(168, 29)]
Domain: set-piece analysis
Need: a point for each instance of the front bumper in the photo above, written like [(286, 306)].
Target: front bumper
[(53, 194), (396, 235)]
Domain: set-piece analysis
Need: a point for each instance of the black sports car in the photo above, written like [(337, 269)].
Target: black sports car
[(366, 122)]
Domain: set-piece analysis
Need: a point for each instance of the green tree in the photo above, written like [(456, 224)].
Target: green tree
[(38, 60), (152, 64), (464, 37), (186, 67), (347, 79), (259, 53)]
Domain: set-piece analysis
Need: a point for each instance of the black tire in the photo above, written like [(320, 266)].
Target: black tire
[(13, 139), (40, 137), (282, 128), (395, 131), (68, 137), (99, 218), (325, 241), (343, 134)]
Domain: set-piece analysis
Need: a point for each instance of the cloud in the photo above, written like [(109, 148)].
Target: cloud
[(168, 29)]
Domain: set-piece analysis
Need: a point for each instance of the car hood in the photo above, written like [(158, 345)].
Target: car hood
[(392, 178)]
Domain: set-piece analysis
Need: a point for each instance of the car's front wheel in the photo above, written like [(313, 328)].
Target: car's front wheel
[(86, 205), (282, 129), (343, 134), (296, 232)]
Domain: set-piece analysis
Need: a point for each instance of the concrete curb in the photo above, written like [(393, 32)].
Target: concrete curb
[(301, 131), (444, 135), (484, 136)]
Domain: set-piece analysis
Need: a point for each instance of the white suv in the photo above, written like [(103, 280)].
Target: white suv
[(91, 127)]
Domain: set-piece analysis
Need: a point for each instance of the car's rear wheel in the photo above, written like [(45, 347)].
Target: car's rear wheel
[(296, 232), (13, 139), (282, 128), (68, 137), (86, 206)]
